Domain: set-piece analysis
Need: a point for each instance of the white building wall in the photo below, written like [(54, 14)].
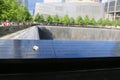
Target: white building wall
[(71, 9), (103, 1), (77, 1), (51, 1), (54, 1)]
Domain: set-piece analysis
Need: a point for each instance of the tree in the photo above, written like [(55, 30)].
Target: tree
[(61, 20), (100, 21), (92, 21), (108, 22), (118, 22), (72, 21), (79, 20), (39, 18), (25, 15), (49, 19), (56, 19), (36, 19), (10, 10), (115, 23), (65, 20), (86, 20)]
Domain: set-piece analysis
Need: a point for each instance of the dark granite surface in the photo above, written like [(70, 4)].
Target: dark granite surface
[(58, 49), (70, 60)]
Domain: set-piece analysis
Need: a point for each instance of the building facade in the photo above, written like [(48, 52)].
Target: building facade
[(51, 1), (104, 1), (23, 2), (31, 5), (112, 9), (93, 10), (81, 0)]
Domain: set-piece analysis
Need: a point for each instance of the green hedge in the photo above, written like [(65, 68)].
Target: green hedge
[(11, 29)]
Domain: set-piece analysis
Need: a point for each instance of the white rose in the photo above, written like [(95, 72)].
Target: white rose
[(35, 48)]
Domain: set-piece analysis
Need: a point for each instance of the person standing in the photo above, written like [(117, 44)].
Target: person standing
[(6, 23)]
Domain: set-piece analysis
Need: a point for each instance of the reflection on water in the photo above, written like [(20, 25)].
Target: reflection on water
[(58, 49)]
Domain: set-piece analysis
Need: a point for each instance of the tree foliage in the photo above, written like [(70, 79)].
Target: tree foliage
[(36, 19), (86, 20), (117, 22), (49, 19), (100, 21), (72, 21), (79, 20), (39, 18), (92, 21), (10, 10), (65, 20), (56, 19), (108, 22), (24, 14)]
